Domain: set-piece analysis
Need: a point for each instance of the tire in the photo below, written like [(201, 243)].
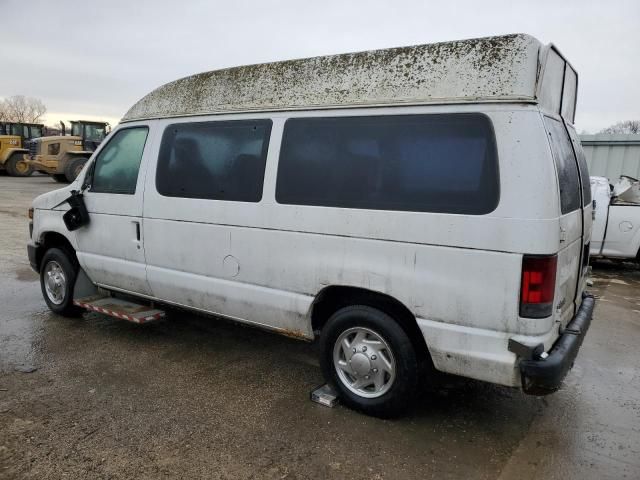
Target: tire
[(16, 167), (73, 168), (58, 273), (59, 177), (391, 364)]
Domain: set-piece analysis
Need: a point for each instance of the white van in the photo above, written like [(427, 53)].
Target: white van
[(413, 208)]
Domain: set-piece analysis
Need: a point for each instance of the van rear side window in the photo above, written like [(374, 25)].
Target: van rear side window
[(214, 160), (420, 163), (568, 179), (584, 168)]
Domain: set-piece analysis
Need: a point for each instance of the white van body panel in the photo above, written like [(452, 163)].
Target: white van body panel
[(266, 263), (210, 254), (50, 221), (458, 274)]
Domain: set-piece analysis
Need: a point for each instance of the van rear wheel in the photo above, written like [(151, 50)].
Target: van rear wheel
[(17, 167), (370, 361), (58, 273)]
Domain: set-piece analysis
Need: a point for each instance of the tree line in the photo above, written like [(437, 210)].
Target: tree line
[(22, 109), (628, 126)]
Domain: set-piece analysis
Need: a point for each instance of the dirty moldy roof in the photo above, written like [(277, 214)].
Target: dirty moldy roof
[(493, 69)]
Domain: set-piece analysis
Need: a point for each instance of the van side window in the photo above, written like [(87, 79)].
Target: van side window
[(568, 178), (582, 165), (214, 160), (420, 163), (117, 165)]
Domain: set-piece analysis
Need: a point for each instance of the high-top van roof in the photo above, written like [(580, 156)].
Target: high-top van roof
[(509, 68)]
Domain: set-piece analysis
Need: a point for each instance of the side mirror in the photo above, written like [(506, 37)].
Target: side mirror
[(77, 215)]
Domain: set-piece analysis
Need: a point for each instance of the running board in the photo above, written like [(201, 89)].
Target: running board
[(119, 308)]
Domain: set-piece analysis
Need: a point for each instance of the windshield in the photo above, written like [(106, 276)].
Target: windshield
[(92, 133), (95, 133)]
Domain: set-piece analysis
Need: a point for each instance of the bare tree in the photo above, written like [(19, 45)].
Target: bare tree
[(22, 109), (628, 126), (4, 114)]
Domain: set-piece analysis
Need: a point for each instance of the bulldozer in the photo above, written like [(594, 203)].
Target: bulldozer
[(63, 156), (13, 138)]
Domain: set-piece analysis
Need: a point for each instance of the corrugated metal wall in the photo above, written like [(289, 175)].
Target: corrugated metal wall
[(612, 155)]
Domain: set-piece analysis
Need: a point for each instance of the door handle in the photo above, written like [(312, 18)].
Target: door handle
[(137, 226)]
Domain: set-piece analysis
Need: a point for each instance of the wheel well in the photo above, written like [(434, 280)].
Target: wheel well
[(57, 240), (17, 152), (332, 298)]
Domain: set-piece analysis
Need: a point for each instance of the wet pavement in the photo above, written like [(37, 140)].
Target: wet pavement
[(195, 397)]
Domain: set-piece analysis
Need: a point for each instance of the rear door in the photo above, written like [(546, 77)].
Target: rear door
[(587, 207), (568, 276)]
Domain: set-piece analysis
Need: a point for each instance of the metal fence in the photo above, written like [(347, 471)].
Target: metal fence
[(612, 155)]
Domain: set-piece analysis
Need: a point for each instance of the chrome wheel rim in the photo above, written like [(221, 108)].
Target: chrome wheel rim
[(364, 362), (55, 282)]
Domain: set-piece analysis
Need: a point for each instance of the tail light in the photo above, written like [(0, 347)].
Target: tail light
[(538, 286)]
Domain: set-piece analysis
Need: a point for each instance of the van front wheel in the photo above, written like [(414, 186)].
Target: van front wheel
[(58, 275), (369, 359)]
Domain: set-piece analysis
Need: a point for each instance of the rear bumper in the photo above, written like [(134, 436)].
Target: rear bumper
[(541, 376)]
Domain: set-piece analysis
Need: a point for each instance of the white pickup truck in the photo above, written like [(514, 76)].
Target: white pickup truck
[(616, 225)]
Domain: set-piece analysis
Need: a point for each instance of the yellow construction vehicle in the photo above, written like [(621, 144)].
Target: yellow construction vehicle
[(13, 137), (63, 156)]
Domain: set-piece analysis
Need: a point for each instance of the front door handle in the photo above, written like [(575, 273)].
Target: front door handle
[(136, 224)]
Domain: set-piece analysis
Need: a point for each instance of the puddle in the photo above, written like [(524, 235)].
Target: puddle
[(26, 274)]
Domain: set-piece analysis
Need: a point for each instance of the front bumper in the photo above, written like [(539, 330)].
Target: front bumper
[(541, 376), (32, 249)]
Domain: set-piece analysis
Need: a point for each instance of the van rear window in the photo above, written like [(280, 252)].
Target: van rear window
[(421, 163), (568, 177)]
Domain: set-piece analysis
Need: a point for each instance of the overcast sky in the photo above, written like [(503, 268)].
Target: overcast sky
[(88, 59)]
